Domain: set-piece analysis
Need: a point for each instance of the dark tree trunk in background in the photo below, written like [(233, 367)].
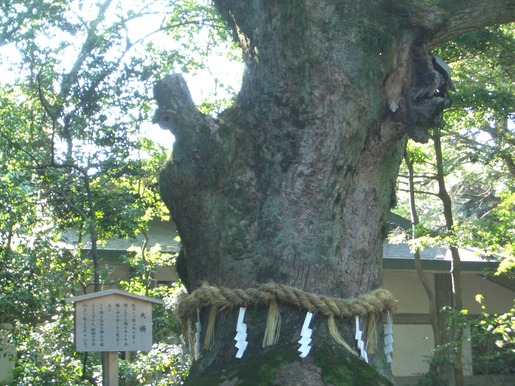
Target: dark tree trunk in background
[(457, 330), (295, 182)]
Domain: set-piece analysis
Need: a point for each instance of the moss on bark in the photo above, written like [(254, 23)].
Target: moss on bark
[(281, 365)]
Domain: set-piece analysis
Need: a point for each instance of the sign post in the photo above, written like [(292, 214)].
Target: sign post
[(112, 321), (110, 368)]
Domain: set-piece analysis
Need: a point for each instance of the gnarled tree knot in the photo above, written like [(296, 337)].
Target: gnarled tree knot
[(416, 91), (176, 110)]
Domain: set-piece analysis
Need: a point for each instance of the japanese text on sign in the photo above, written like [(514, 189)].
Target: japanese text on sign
[(113, 323)]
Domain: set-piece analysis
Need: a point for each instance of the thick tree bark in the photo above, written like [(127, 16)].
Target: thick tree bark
[(295, 182)]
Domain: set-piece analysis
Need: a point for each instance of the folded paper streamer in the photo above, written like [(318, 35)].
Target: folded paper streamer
[(371, 305), (388, 337), (359, 339), (183, 344), (305, 336), (241, 334), (197, 335)]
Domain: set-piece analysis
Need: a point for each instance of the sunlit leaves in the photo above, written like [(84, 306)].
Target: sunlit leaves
[(46, 355), (19, 18), (484, 104), (493, 340)]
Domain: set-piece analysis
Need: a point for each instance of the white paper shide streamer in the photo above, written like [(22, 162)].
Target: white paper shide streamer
[(359, 339), (198, 330), (183, 344), (305, 336), (241, 334), (388, 337)]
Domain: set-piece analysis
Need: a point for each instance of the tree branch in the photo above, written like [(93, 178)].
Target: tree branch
[(472, 15), (177, 112), (70, 78)]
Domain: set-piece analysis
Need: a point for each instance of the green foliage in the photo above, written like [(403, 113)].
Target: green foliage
[(161, 366), (493, 343), (482, 114), (143, 264), (29, 293), (20, 18), (506, 268), (494, 231), (46, 355), (75, 97)]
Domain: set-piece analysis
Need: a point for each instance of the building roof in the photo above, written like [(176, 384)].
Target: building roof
[(159, 233), (399, 256), (402, 251)]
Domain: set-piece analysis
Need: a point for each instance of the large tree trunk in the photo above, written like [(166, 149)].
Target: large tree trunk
[(294, 183)]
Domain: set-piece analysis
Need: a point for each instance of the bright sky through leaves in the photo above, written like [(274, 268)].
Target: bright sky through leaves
[(204, 84)]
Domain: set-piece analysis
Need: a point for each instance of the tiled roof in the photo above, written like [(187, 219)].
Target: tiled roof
[(162, 233), (402, 251)]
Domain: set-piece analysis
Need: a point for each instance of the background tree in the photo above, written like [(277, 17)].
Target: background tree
[(294, 183), (431, 176), (414, 157)]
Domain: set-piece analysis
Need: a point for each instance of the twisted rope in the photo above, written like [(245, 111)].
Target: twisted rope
[(374, 302)]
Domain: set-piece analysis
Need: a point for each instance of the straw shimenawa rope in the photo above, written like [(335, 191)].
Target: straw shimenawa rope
[(371, 304), (376, 301)]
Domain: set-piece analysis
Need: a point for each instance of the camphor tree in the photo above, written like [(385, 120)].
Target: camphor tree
[(294, 183)]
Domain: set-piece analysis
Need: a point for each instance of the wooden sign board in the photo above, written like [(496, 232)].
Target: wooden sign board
[(112, 321)]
